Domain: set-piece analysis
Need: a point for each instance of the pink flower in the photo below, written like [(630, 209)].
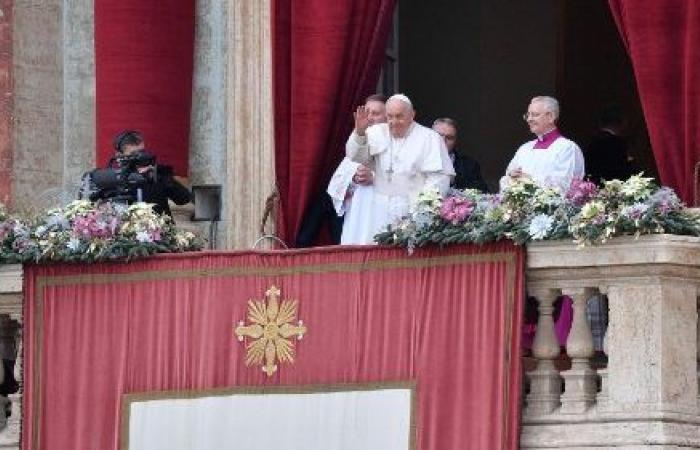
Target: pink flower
[(456, 209), (95, 225), (580, 192)]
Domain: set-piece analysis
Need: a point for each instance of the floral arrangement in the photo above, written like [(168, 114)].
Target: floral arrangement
[(84, 231), (528, 212)]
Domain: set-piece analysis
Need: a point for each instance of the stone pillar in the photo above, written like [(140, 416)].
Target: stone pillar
[(232, 118), (580, 379), (250, 142), (545, 383), (79, 121), (208, 127), (54, 103), (6, 101), (652, 346)]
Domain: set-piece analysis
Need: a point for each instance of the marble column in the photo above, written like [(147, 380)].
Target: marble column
[(251, 134), (232, 119), (6, 101), (54, 100)]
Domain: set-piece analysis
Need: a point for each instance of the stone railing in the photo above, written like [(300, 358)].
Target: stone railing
[(647, 396)]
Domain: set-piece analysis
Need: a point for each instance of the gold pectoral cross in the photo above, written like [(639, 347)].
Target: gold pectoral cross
[(389, 173)]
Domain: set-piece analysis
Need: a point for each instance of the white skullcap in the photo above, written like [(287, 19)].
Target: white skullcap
[(401, 97)]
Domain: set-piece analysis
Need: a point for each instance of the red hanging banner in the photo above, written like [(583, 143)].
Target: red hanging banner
[(446, 321)]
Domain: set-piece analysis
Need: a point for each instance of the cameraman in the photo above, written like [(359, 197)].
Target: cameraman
[(156, 183)]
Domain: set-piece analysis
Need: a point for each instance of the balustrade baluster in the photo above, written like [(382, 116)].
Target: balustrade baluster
[(545, 382), (580, 380), (603, 396)]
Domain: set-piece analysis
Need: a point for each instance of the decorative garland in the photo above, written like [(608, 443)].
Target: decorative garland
[(88, 232), (528, 212)]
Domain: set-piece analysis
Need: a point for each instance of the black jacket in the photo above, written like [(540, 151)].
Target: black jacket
[(606, 158), (165, 187), (468, 173), (122, 185)]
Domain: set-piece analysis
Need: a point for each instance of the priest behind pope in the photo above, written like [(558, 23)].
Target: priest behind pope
[(406, 158), (551, 159)]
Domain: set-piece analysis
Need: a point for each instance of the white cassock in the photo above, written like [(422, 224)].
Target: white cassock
[(403, 167), (556, 165), (353, 201)]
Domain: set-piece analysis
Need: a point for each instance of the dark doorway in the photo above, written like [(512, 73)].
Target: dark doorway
[(480, 61)]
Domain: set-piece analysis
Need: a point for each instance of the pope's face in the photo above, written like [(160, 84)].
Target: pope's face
[(399, 116), (377, 112), (539, 119)]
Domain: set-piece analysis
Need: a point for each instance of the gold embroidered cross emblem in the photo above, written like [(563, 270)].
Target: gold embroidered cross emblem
[(271, 327)]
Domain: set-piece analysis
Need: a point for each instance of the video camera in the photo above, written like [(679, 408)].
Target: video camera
[(124, 179)]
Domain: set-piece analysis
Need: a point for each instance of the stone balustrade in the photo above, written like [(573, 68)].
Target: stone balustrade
[(647, 396)]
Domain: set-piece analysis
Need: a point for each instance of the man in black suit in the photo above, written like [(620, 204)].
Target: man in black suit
[(607, 155), (468, 170)]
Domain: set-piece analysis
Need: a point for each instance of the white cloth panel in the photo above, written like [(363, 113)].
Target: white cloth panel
[(349, 420)]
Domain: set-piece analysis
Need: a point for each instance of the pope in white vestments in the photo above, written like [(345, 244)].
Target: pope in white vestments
[(550, 159), (406, 158)]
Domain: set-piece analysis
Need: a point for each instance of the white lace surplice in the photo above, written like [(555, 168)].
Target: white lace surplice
[(556, 165)]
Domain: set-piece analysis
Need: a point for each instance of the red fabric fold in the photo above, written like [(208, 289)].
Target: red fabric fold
[(663, 40), (327, 57), (447, 320), (143, 63)]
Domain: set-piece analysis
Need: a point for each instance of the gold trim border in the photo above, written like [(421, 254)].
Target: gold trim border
[(137, 397), (406, 262)]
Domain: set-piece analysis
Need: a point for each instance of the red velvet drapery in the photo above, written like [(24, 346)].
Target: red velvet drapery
[(143, 64), (327, 59), (447, 320), (663, 40)]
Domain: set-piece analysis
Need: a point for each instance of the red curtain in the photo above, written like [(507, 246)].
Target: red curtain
[(327, 59), (448, 320), (663, 40), (143, 63)]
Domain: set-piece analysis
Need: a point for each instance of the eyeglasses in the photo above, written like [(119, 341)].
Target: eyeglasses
[(534, 115)]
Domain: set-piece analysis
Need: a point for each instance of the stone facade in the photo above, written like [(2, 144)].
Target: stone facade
[(54, 100), (53, 137), (6, 101)]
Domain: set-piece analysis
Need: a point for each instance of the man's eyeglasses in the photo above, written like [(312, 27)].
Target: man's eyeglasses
[(534, 115)]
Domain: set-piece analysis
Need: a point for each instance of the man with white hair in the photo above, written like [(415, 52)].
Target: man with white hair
[(405, 156), (550, 159)]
